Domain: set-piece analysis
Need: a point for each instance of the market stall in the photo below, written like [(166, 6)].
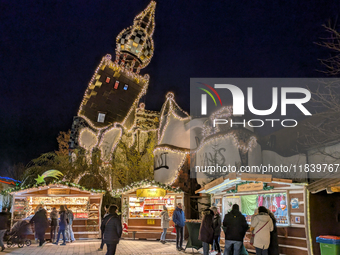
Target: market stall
[(283, 197), (85, 205), (142, 204)]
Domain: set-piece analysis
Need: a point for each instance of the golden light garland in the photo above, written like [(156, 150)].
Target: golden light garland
[(182, 152), (170, 102), (81, 142), (113, 146), (245, 148), (137, 27)]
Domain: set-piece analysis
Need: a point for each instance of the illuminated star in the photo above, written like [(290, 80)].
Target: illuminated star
[(40, 179)]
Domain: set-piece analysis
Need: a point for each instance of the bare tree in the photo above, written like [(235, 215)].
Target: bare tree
[(323, 128), (331, 42)]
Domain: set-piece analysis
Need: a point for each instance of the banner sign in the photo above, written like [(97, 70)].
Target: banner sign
[(250, 187), (58, 191), (150, 192)]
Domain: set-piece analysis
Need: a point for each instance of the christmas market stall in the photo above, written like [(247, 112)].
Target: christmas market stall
[(287, 201), (85, 205), (324, 206), (142, 204)]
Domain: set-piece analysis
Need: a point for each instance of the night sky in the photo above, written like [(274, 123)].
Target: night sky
[(49, 50)]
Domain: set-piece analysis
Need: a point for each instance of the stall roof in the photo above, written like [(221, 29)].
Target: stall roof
[(331, 185), (142, 185), (224, 183), (34, 189)]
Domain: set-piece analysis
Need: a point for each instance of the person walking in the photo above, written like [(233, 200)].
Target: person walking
[(62, 225), (261, 226), (217, 230), (179, 219), (3, 227), (70, 218), (112, 230), (40, 225), (164, 223), (206, 232), (274, 242), (54, 224), (106, 208), (236, 228)]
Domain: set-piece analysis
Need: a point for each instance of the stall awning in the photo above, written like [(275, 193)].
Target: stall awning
[(331, 185), (224, 183)]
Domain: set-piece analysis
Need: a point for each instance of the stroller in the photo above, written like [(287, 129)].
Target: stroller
[(18, 234)]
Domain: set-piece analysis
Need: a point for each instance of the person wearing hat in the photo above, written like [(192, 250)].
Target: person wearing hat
[(282, 211)]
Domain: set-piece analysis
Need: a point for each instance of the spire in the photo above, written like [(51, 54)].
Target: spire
[(134, 44)]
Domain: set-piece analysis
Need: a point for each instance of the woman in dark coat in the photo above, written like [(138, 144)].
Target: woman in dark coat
[(40, 225), (62, 225), (112, 230), (217, 230), (274, 243), (206, 233)]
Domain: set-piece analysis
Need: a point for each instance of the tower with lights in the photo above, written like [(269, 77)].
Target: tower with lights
[(110, 103)]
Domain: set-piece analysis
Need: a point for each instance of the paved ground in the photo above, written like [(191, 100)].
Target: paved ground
[(126, 247)]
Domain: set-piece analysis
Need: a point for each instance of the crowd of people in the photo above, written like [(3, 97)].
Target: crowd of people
[(263, 228), (60, 222)]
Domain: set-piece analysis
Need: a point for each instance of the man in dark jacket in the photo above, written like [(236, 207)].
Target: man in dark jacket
[(3, 227), (236, 227), (112, 230), (206, 233), (178, 218), (40, 225), (54, 224), (217, 230)]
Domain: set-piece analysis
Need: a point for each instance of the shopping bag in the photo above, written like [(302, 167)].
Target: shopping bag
[(252, 239), (173, 232)]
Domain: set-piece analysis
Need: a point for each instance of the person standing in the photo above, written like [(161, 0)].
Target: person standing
[(106, 208), (217, 230), (3, 226), (179, 219), (206, 233), (62, 225), (112, 230), (54, 224), (164, 223), (40, 225), (282, 211), (274, 243), (236, 228), (262, 225), (70, 218)]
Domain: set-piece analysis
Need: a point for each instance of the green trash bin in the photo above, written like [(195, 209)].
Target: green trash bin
[(329, 245)]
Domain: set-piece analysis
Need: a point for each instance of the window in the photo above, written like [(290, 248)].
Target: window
[(101, 117), (116, 85)]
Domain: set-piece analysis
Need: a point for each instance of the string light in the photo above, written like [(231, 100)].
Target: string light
[(35, 187), (171, 104), (144, 184)]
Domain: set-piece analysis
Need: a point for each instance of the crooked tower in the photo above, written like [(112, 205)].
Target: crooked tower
[(111, 99)]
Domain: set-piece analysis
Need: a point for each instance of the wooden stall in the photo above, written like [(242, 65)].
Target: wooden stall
[(85, 205), (324, 209), (253, 190), (142, 206)]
